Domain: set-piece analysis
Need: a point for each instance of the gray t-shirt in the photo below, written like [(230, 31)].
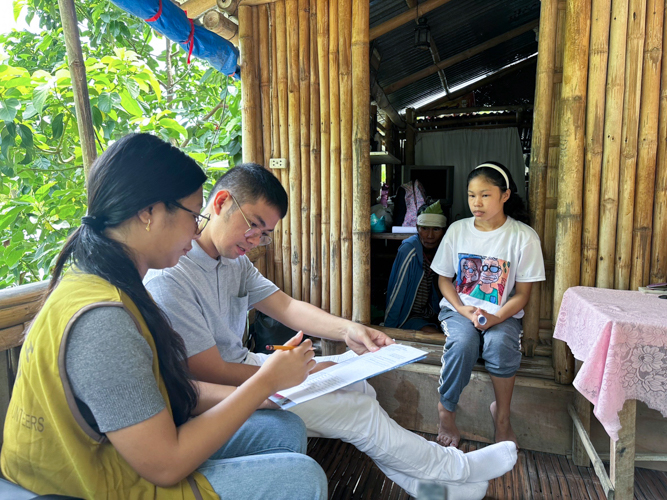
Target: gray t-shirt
[(109, 366), (207, 300)]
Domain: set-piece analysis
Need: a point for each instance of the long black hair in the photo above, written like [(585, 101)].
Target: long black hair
[(514, 206), (132, 174)]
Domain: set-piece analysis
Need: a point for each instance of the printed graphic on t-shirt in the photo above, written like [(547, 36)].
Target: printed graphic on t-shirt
[(482, 277)]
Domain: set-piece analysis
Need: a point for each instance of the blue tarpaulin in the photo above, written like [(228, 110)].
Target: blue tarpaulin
[(173, 23)]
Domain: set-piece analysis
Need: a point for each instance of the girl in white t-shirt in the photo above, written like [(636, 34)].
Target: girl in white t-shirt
[(494, 257)]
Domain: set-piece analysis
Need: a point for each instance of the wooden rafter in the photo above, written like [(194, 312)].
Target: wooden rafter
[(378, 94), (433, 48), (405, 17), (460, 57)]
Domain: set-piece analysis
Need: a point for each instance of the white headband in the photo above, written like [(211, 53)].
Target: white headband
[(496, 167), (432, 220)]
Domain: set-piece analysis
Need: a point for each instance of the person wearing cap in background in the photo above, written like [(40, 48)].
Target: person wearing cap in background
[(412, 294)]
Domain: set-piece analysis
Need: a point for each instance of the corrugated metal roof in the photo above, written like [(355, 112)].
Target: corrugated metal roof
[(455, 27)]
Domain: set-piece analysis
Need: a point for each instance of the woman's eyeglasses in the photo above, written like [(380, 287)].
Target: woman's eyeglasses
[(200, 219), (253, 231)]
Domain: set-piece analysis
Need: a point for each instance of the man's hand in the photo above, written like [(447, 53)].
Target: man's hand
[(362, 339)]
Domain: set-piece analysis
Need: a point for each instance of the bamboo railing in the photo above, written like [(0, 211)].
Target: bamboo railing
[(306, 98)]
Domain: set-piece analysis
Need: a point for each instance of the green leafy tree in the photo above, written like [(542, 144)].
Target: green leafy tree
[(132, 88)]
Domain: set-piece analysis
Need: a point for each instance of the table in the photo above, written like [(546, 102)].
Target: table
[(620, 340)]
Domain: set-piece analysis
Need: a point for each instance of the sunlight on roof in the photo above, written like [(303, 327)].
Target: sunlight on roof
[(465, 84)]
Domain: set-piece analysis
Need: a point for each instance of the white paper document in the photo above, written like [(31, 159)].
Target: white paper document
[(350, 370)]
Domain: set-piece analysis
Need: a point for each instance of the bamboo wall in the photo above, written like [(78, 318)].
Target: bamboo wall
[(306, 98), (598, 175)]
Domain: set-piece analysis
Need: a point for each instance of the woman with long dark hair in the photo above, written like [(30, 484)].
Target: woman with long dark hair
[(103, 405)]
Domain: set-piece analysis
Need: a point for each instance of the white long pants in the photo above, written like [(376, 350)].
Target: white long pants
[(353, 415)]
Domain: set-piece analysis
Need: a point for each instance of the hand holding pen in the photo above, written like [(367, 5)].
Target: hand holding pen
[(289, 367)]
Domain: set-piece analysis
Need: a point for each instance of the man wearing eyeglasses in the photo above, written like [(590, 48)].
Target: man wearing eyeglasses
[(208, 293)]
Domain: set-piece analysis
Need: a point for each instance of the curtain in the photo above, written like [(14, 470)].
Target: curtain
[(465, 149)]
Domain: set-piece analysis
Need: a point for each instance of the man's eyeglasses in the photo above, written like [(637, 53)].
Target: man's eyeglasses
[(253, 231), (493, 269), (200, 220)]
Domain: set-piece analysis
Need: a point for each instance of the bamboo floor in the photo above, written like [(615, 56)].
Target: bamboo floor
[(539, 476)]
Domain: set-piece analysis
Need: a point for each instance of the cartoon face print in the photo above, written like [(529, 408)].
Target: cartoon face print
[(491, 270), (470, 270)]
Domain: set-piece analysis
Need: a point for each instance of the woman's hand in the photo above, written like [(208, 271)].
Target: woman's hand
[(321, 366), (284, 369), (491, 320)]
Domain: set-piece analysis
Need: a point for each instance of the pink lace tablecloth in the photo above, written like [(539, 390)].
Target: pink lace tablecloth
[(621, 338)]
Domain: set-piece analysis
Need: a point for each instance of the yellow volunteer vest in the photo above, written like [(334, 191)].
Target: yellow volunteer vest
[(48, 447)]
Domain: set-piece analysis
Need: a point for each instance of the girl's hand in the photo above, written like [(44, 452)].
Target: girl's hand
[(491, 320), (468, 312), (285, 369)]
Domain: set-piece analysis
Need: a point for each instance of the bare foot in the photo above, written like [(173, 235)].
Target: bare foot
[(503, 427), (448, 434)]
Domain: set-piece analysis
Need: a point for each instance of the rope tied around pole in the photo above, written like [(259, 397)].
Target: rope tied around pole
[(156, 16)]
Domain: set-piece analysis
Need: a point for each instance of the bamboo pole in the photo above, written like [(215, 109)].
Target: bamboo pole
[(283, 111), (647, 145), (597, 81), (634, 62), (539, 156), (410, 133), (361, 161), (323, 69), (263, 42), (217, 23), (611, 153), (571, 168), (259, 136), (249, 123), (659, 243), (315, 160), (265, 79), (77, 69), (549, 241), (334, 173), (275, 143), (346, 187), (292, 12), (304, 129)]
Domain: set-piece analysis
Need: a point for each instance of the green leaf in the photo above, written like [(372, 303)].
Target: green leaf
[(97, 117), (129, 104), (57, 126), (104, 102), (39, 96), (174, 125), (8, 219), (26, 159), (41, 193), (26, 136), (8, 109)]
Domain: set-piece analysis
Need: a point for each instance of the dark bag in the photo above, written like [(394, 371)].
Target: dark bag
[(268, 331)]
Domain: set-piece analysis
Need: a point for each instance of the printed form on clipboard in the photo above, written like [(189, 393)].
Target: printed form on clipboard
[(351, 369)]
